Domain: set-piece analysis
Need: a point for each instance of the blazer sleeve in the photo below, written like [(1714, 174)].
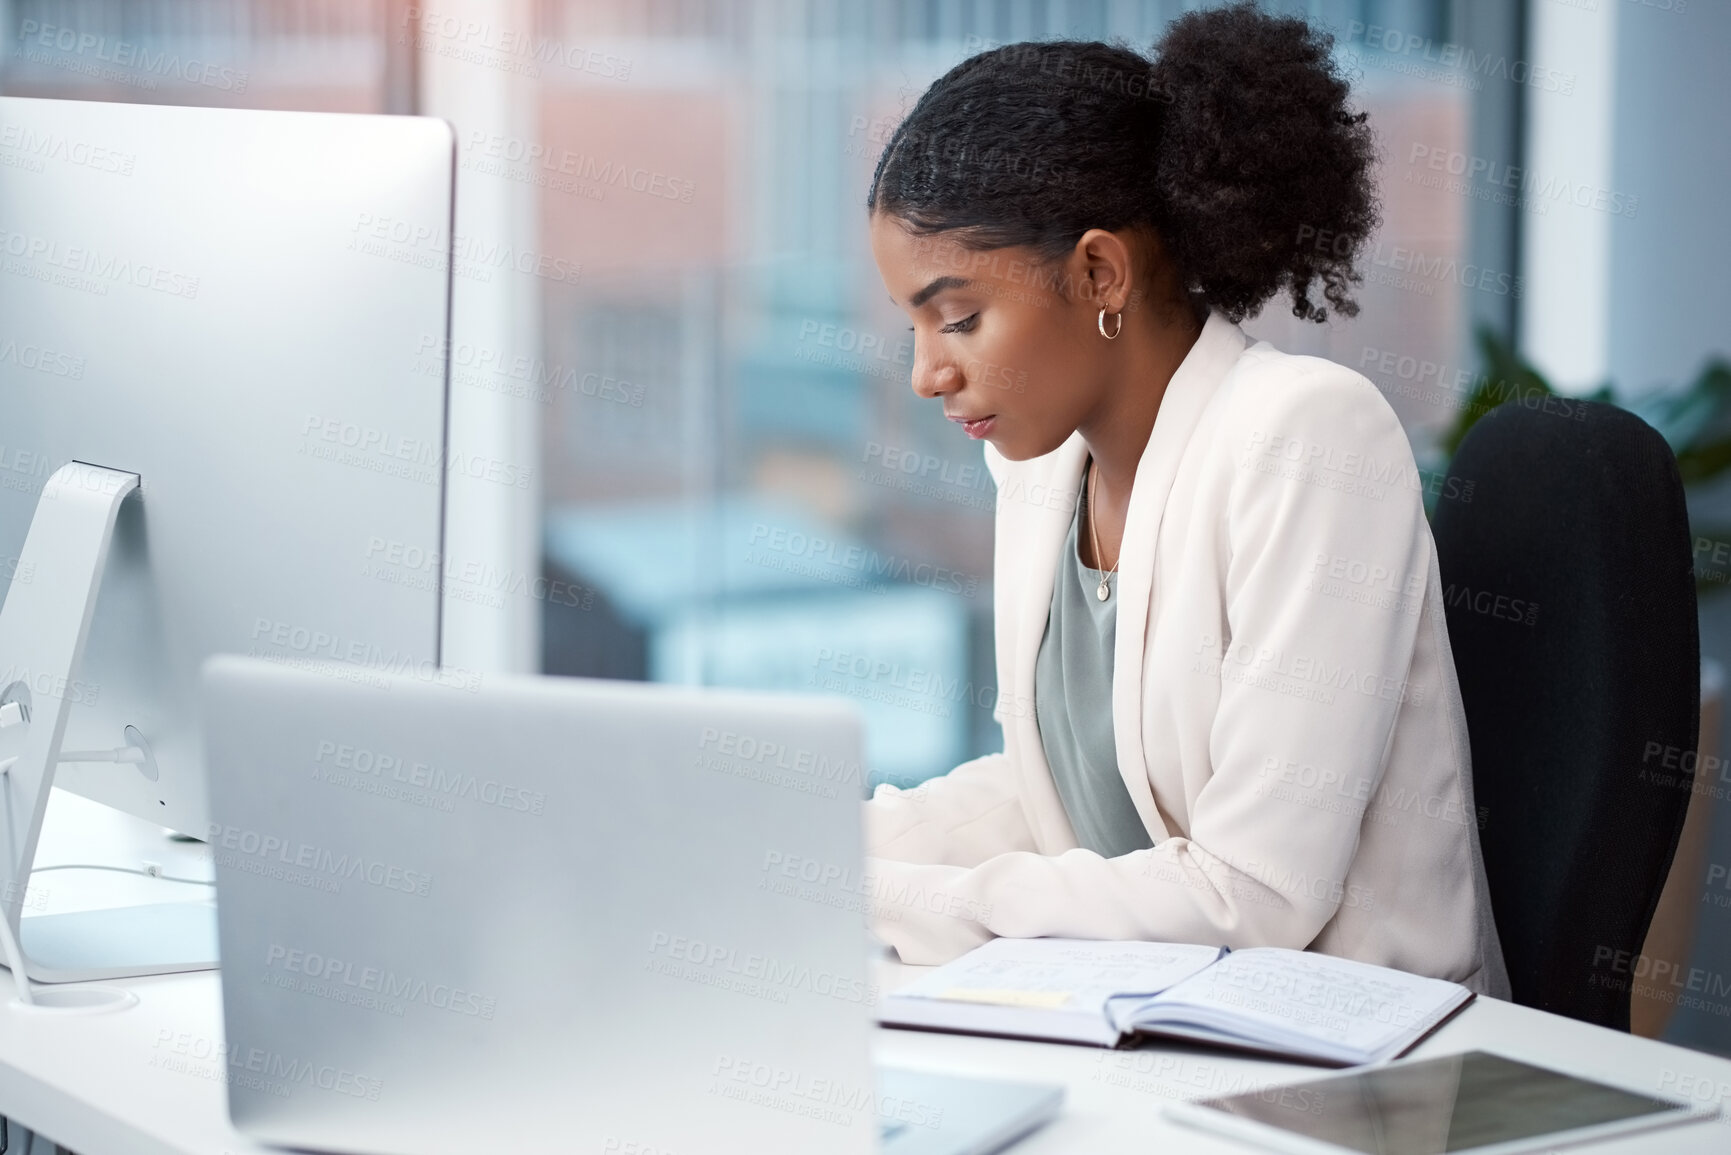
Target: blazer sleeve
[(1321, 474), (961, 818)]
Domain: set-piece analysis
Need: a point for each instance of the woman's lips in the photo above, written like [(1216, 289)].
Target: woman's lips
[(978, 427)]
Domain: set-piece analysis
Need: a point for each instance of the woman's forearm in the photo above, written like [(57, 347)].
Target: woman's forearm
[(962, 818)]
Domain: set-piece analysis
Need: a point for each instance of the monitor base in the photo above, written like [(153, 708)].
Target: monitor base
[(77, 1000), (119, 942)]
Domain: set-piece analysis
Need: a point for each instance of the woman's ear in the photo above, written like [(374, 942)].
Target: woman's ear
[(1104, 269)]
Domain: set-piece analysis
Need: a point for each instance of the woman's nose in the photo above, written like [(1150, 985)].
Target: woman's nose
[(933, 377)]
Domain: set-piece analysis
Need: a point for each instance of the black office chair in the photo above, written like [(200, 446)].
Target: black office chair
[(1579, 720)]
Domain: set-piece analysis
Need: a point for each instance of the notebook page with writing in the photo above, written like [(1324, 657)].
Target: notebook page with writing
[(1042, 987), (1330, 1008)]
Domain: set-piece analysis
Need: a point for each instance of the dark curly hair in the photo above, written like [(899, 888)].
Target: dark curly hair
[(1235, 143)]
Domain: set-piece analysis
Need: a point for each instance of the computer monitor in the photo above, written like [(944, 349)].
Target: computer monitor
[(247, 312)]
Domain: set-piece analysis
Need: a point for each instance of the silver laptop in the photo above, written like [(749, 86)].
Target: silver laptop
[(549, 914)]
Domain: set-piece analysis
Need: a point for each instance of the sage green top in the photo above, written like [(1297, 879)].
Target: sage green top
[(1073, 706)]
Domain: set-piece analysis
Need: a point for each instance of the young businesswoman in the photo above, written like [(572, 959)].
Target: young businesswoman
[(1230, 713)]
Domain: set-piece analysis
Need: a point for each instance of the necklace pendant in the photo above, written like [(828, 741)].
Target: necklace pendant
[(1105, 590)]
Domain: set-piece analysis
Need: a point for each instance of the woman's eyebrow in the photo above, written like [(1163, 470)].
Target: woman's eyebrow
[(936, 287)]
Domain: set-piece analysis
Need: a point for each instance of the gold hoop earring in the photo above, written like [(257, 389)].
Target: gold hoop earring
[(1113, 335)]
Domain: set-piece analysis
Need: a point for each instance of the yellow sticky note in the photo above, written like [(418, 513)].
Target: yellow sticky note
[(1045, 1000)]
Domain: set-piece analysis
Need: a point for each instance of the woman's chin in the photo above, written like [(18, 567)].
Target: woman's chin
[(1022, 448)]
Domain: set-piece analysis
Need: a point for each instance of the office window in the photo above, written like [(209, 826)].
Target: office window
[(836, 532), (319, 55), (734, 483)]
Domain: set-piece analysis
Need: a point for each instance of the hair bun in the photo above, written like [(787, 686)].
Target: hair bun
[(1262, 173)]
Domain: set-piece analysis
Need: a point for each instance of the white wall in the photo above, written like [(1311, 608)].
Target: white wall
[(1566, 246), (492, 527), (1638, 291), (1670, 287)]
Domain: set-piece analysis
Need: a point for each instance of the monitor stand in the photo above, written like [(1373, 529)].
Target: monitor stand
[(119, 942), (44, 624)]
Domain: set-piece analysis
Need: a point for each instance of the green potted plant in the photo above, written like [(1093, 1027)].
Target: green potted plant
[(1694, 418)]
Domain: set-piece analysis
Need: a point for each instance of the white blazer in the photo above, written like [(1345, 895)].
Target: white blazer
[(1284, 700)]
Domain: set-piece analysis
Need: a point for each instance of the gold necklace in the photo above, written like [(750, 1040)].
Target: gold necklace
[(1105, 590)]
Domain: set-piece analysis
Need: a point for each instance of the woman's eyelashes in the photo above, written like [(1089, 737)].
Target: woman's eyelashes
[(965, 325)]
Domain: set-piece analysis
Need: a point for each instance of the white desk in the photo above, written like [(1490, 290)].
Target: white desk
[(132, 1083), (147, 1081)]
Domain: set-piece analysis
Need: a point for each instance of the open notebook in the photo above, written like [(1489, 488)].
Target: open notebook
[(1290, 1003)]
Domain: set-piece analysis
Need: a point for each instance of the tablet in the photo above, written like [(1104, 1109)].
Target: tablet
[(1475, 1102)]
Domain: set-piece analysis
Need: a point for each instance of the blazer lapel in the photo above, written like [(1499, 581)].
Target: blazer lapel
[(1036, 545), (1187, 394)]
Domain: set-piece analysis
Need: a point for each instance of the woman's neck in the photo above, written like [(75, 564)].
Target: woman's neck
[(1117, 434)]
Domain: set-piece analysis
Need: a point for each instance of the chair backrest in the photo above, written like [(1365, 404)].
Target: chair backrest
[(1564, 547)]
